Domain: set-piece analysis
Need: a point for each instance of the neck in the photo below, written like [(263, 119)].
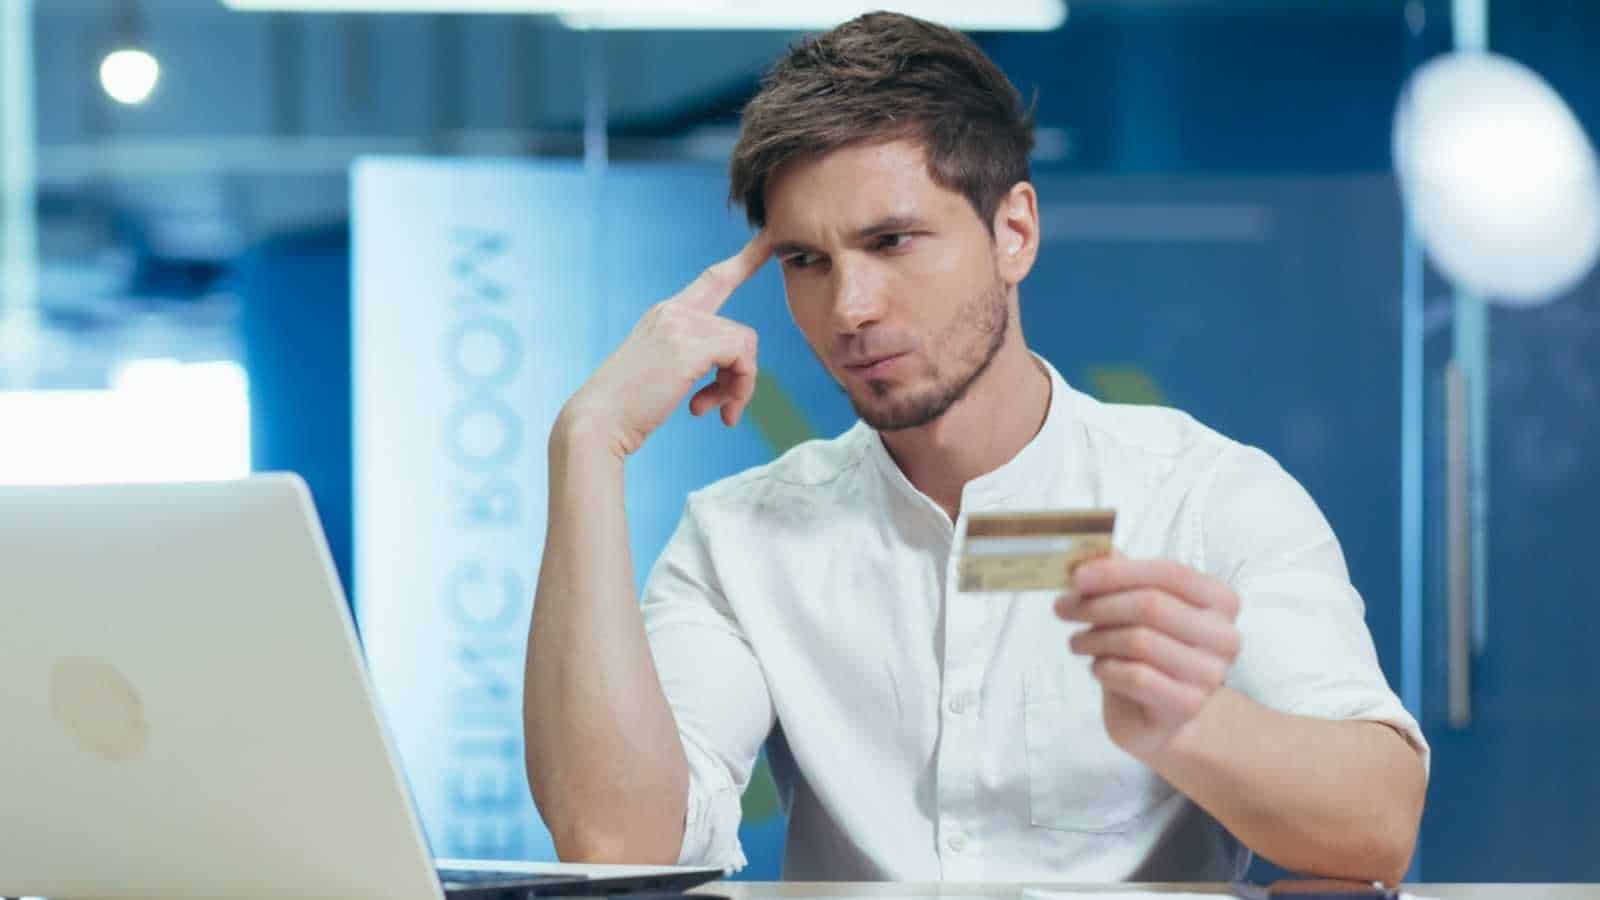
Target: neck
[(1000, 413)]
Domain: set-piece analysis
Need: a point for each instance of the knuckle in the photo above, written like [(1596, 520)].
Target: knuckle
[(1145, 605), (650, 322), (670, 326), (716, 276), (1162, 611), (1227, 599)]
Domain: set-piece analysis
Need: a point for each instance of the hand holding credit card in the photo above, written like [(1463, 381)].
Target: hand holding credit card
[(1032, 551)]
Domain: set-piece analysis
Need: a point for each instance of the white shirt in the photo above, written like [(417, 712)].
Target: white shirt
[(921, 733)]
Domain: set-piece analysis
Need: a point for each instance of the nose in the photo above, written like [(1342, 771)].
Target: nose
[(858, 298)]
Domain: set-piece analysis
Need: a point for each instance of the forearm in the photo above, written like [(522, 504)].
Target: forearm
[(1334, 798), (604, 759)]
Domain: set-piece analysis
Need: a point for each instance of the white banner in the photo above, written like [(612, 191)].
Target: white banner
[(471, 328)]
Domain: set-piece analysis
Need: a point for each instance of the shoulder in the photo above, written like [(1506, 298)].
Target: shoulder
[(1227, 481), (1251, 514), (1153, 432)]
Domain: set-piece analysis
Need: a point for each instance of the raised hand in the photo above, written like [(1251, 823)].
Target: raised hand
[(673, 346), (1163, 638)]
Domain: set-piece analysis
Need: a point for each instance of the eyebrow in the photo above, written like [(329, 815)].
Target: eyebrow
[(886, 225)]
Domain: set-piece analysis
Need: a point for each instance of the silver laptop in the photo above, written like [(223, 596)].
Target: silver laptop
[(184, 711)]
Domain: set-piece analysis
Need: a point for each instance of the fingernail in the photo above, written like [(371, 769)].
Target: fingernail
[(1078, 573)]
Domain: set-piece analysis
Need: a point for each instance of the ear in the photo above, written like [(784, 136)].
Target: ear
[(1016, 232)]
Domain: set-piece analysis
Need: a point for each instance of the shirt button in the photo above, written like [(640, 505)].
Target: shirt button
[(957, 704), (957, 842)]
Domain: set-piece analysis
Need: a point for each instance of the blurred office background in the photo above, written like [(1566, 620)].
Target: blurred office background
[(379, 248)]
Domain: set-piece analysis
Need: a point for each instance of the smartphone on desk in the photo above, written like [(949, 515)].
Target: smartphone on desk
[(1293, 889)]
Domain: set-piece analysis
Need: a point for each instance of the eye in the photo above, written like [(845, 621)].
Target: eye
[(893, 241), (801, 260)]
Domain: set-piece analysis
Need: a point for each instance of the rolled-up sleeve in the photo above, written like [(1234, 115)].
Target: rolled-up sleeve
[(1306, 648), (715, 686)]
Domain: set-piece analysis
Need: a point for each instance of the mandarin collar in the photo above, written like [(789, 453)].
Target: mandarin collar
[(1031, 471)]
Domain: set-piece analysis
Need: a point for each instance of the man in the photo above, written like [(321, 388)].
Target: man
[(1212, 686)]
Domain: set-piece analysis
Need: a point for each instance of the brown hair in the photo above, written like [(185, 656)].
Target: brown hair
[(881, 77)]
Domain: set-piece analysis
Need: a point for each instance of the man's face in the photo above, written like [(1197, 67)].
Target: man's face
[(891, 277)]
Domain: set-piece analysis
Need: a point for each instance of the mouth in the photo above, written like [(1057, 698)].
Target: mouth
[(876, 366)]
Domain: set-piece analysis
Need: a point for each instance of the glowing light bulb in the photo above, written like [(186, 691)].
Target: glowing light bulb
[(1498, 178), (129, 75)]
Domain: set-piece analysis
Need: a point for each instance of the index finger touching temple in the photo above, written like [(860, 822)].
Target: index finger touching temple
[(716, 284)]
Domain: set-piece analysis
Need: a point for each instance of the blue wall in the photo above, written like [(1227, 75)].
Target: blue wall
[(295, 321)]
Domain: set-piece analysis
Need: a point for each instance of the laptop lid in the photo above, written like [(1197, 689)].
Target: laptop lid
[(186, 711), (185, 706)]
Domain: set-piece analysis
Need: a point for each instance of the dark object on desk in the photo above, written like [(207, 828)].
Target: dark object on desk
[(484, 884), (1316, 890)]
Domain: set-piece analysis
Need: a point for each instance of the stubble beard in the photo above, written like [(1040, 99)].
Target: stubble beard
[(979, 327)]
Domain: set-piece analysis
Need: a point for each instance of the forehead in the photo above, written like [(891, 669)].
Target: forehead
[(855, 186)]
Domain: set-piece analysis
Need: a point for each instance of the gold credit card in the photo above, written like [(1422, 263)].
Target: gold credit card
[(1032, 551)]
